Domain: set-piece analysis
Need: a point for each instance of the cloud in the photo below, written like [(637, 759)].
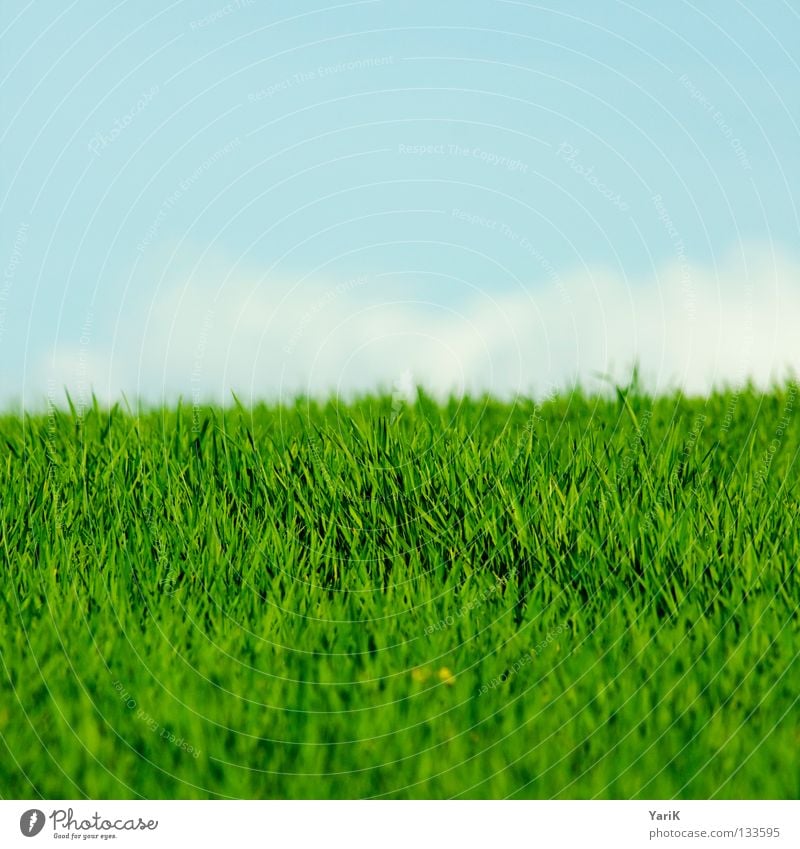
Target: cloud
[(688, 326)]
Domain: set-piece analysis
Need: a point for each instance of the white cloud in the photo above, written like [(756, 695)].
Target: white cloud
[(693, 327)]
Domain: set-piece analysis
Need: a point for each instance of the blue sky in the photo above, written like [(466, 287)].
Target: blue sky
[(268, 197)]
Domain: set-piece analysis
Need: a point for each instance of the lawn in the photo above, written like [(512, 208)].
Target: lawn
[(586, 597)]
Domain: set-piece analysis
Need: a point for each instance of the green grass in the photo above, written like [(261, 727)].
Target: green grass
[(595, 597)]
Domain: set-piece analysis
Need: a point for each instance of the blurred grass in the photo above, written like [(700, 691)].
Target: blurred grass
[(586, 598)]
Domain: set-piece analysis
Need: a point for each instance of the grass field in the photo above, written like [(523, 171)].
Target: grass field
[(587, 598)]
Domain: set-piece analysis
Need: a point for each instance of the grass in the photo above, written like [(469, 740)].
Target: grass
[(588, 598)]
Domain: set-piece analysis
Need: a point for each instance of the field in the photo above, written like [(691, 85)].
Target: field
[(587, 597)]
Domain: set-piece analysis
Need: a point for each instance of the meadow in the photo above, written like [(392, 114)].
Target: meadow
[(584, 597)]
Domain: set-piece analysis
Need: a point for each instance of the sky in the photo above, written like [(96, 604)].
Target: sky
[(502, 196)]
